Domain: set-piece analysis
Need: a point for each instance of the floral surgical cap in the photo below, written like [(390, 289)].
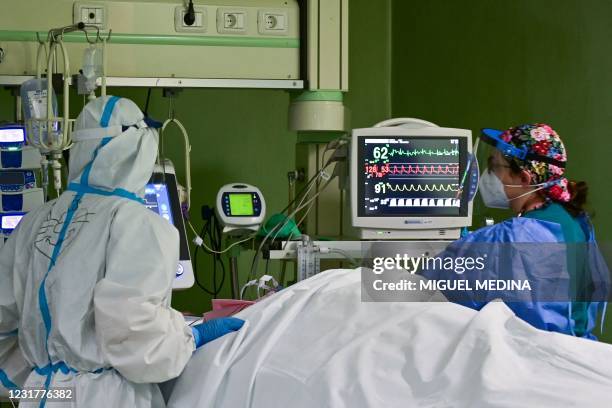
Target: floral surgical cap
[(542, 140)]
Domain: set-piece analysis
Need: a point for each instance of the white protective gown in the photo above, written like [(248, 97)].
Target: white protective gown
[(88, 301)]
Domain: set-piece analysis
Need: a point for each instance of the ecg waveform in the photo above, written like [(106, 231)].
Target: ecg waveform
[(382, 154), (383, 187), (423, 152), (411, 176), (412, 169)]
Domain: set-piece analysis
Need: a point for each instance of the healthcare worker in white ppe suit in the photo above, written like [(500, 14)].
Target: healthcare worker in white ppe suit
[(85, 280)]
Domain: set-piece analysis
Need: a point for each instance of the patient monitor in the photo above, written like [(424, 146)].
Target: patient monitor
[(240, 207), (411, 179), (161, 196)]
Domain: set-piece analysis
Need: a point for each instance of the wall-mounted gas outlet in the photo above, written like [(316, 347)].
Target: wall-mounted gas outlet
[(200, 24), (232, 21), (272, 22), (90, 13)]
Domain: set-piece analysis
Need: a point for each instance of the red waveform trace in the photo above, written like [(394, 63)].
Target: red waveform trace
[(435, 170)]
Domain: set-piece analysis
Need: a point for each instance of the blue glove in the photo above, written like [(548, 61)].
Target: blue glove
[(206, 332)]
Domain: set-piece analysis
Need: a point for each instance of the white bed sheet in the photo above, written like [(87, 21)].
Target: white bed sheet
[(316, 344)]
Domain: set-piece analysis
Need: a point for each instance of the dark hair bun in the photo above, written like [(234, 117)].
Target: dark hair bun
[(578, 192)]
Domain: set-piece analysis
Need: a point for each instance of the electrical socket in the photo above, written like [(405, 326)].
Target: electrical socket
[(273, 22), (200, 24), (92, 13), (232, 21)]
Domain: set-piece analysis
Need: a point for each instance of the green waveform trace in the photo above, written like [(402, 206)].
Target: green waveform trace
[(423, 152)]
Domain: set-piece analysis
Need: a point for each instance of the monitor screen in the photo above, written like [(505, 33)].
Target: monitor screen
[(12, 178), (411, 176), (157, 200), (161, 197), (9, 222), (241, 204), (12, 135)]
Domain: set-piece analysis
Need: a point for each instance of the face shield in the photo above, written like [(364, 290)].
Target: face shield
[(494, 140), (500, 157)]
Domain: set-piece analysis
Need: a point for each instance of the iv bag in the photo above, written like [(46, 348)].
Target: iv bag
[(92, 68), (34, 101)]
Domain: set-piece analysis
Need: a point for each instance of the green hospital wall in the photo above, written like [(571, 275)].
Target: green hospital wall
[(492, 63), (369, 96)]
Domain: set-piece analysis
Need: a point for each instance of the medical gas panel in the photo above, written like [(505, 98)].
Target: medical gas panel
[(224, 39)]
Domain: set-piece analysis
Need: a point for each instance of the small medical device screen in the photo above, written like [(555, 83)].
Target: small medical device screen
[(241, 204), (161, 197), (246, 204), (412, 176), (12, 177), (9, 222), (12, 135), (157, 200)]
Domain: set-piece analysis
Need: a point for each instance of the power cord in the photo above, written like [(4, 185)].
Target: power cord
[(211, 230), (190, 17)]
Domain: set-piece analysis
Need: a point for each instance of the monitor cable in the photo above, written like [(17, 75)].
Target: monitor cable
[(335, 146), (211, 230)]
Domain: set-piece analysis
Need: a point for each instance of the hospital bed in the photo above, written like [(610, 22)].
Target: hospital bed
[(316, 344)]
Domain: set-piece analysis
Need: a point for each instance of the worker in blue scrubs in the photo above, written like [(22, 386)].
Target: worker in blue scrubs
[(550, 242)]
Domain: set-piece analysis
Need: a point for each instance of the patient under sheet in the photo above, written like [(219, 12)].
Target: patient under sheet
[(316, 344)]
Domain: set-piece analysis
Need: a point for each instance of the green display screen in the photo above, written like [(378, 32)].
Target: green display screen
[(241, 204)]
